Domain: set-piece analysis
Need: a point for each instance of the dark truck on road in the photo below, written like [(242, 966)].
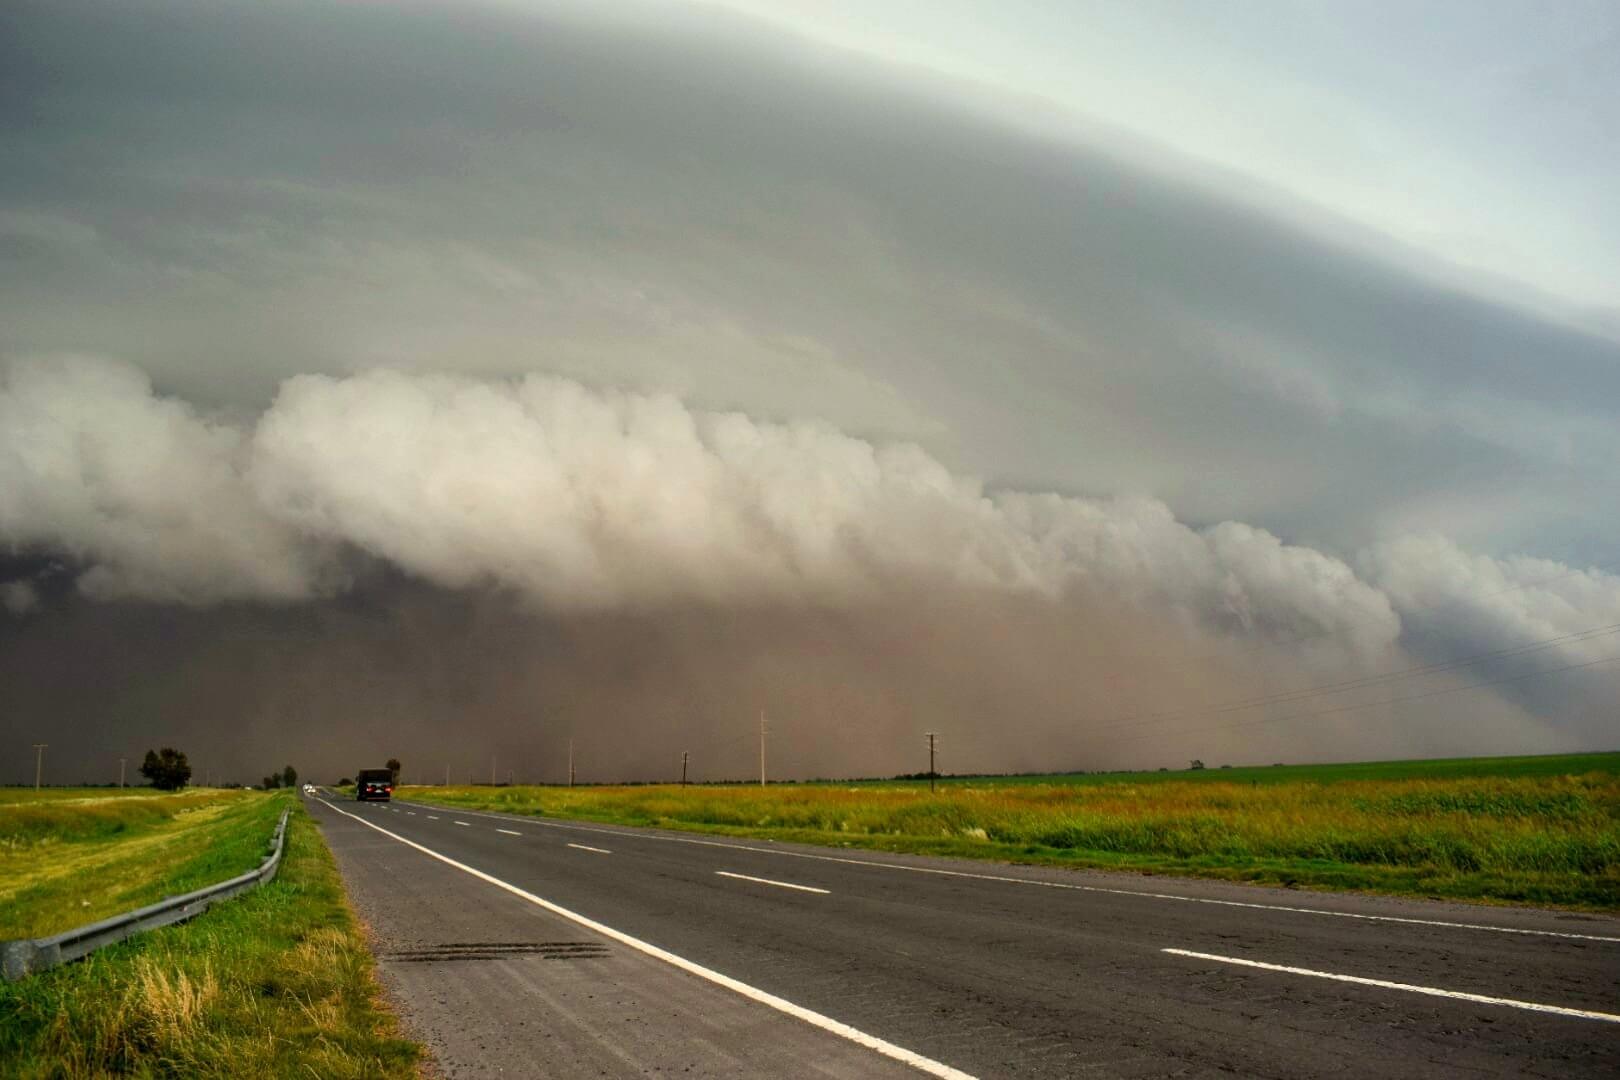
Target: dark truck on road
[(374, 784)]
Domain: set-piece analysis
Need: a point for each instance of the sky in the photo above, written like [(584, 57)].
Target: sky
[(1065, 377), (1405, 122)]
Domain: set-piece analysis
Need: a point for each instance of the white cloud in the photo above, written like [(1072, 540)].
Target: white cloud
[(1496, 603), (588, 498), (94, 465), (591, 498)]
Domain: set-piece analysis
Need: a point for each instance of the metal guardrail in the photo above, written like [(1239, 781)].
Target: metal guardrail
[(21, 958)]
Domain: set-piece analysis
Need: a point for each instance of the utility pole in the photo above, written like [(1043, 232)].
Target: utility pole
[(39, 762), (762, 748), (447, 774), (492, 770), (121, 762), (570, 762), (683, 768), (931, 737)]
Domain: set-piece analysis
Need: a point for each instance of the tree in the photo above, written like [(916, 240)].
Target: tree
[(167, 769), (393, 768), (345, 781), (272, 781), (289, 777), (1195, 764)]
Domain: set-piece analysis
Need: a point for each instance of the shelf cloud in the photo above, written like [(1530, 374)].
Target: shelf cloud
[(358, 360), (583, 513), (587, 499)]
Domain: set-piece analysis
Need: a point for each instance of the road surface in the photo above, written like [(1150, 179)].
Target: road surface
[(523, 946)]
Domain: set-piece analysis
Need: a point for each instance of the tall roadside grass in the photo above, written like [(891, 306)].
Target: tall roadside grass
[(1533, 839), (277, 982), (68, 862)]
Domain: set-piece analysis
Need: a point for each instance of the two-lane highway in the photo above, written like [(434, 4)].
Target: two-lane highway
[(592, 950)]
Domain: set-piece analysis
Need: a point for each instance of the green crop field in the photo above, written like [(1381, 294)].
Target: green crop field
[(276, 982), (1542, 830), (1425, 769)]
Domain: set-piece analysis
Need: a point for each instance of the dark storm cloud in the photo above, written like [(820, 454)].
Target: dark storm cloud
[(455, 679)]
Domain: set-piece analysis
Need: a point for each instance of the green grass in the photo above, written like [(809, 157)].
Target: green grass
[(1520, 830), (68, 862), (277, 982)]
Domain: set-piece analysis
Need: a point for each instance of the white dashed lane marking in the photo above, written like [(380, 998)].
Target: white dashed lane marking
[(778, 884), (1385, 984), (587, 847)]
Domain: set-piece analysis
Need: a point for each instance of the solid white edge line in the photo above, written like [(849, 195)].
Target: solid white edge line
[(778, 884), (1054, 884), (509, 832), (587, 847), (798, 1012), (1385, 984)]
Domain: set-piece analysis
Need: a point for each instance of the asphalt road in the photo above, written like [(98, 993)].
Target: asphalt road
[(530, 947)]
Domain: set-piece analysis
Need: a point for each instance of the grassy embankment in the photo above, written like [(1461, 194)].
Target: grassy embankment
[(1512, 830), (277, 982), (73, 856)]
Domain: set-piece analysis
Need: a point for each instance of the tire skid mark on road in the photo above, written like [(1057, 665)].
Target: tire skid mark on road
[(1385, 984), (753, 993), (877, 865)]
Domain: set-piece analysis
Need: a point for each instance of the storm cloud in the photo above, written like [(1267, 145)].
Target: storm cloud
[(624, 549), (611, 321)]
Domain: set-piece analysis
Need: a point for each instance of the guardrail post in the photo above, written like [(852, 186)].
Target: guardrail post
[(17, 959)]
